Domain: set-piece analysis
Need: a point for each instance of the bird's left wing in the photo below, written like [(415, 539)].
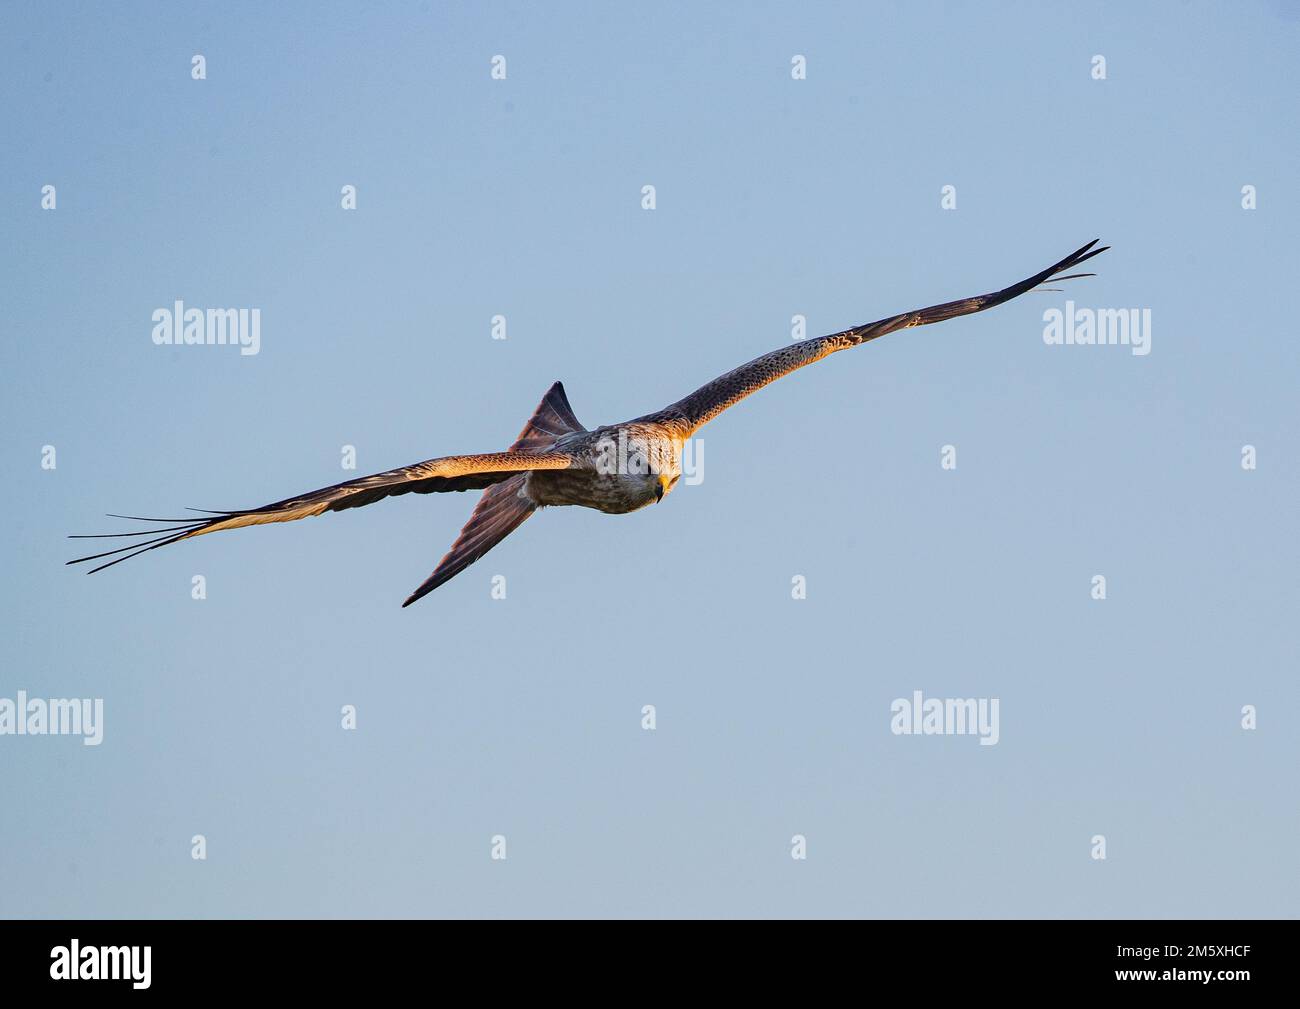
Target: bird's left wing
[(451, 473), (705, 403), (500, 511)]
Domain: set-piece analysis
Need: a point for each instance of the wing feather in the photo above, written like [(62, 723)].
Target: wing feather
[(706, 402), (450, 473), (500, 511)]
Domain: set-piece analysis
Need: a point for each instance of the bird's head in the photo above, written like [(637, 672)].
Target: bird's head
[(648, 461), (666, 482), (665, 466)]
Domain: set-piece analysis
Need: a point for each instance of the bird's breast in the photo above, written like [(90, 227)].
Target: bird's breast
[(613, 493)]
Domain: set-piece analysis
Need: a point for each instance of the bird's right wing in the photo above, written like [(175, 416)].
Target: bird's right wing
[(451, 473)]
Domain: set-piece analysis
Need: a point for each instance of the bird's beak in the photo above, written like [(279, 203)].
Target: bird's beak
[(661, 488)]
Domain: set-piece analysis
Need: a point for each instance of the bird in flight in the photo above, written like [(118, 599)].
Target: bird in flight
[(556, 461)]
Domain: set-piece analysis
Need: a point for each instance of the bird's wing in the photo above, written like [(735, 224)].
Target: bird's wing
[(451, 473), (705, 403), (500, 511)]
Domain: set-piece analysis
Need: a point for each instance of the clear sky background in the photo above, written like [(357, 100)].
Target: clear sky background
[(522, 716)]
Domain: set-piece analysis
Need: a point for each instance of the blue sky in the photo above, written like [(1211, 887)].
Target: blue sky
[(522, 717)]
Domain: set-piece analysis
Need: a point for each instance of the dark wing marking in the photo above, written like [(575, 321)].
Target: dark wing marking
[(709, 400), (500, 512), (451, 473)]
